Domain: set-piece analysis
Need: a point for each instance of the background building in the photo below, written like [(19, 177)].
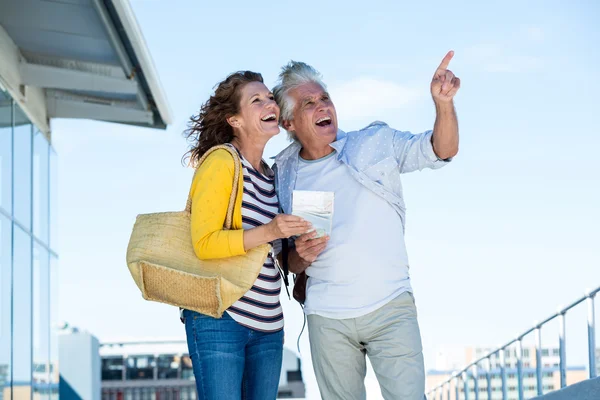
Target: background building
[(79, 355), (84, 59), (162, 369), (455, 359), (28, 258), (597, 361)]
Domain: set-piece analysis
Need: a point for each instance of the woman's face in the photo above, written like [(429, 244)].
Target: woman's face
[(259, 114)]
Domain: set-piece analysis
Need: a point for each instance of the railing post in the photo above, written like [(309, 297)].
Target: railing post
[(538, 360), (520, 368), (591, 335), (503, 374), (456, 387), (562, 349), (488, 377), (465, 378), (498, 360), (475, 380)]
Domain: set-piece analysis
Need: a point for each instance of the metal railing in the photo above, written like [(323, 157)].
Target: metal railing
[(483, 365)]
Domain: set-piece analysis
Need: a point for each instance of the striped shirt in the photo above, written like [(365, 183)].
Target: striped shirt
[(259, 308)]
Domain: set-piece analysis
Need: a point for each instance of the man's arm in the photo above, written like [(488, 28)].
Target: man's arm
[(306, 251), (444, 86), (445, 131), (432, 149), (296, 263)]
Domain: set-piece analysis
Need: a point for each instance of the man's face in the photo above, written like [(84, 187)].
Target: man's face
[(315, 119)]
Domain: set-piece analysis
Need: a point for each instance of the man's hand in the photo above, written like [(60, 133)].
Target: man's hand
[(307, 250), (444, 84)]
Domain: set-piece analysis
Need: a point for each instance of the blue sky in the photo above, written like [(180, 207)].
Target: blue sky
[(498, 239)]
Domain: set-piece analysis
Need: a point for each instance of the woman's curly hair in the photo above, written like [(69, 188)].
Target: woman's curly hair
[(210, 127)]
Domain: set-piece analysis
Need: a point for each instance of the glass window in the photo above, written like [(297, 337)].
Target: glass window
[(188, 393), (5, 305), (112, 368), (41, 180), (41, 319), (295, 376), (5, 153), (140, 367), (22, 308), (23, 146), (168, 366), (187, 371), (53, 200), (555, 352), (54, 322)]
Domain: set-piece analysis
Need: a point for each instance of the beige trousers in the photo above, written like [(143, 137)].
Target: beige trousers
[(389, 336)]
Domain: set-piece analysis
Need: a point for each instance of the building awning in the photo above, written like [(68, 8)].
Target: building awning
[(79, 59)]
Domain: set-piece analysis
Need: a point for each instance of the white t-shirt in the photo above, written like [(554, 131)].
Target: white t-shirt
[(365, 264)]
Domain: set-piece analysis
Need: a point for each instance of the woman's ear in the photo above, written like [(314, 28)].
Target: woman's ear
[(233, 121)]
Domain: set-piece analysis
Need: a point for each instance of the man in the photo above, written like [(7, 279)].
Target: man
[(359, 298)]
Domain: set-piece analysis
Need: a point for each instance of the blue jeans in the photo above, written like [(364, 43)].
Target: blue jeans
[(230, 361)]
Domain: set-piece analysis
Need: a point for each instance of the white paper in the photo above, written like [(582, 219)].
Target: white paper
[(316, 208)]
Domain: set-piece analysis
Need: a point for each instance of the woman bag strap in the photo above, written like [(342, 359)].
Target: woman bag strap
[(234, 190)]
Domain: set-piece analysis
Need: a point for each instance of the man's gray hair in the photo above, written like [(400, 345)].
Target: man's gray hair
[(292, 75)]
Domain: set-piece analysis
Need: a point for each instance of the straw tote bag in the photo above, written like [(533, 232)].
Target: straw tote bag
[(164, 266)]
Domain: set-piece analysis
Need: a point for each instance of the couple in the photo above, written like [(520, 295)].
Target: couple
[(358, 297)]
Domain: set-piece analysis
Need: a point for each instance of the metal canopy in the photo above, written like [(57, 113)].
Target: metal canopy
[(88, 57)]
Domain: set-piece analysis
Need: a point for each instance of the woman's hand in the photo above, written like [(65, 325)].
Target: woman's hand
[(282, 226), (285, 225)]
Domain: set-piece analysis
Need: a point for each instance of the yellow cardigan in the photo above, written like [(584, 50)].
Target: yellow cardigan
[(210, 193)]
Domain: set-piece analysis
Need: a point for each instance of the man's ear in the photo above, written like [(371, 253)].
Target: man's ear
[(288, 125)]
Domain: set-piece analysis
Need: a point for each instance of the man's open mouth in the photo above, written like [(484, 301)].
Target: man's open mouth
[(269, 118), (324, 121)]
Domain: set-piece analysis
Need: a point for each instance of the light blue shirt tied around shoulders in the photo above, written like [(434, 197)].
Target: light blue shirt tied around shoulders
[(377, 155)]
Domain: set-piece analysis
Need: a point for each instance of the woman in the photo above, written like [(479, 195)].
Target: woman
[(239, 355)]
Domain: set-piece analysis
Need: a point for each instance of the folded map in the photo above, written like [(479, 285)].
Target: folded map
[(316, 208)]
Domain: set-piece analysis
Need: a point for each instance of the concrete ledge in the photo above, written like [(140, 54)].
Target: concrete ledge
[(586, 390)]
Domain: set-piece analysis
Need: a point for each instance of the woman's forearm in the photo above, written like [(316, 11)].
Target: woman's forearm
[(256, 236)]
